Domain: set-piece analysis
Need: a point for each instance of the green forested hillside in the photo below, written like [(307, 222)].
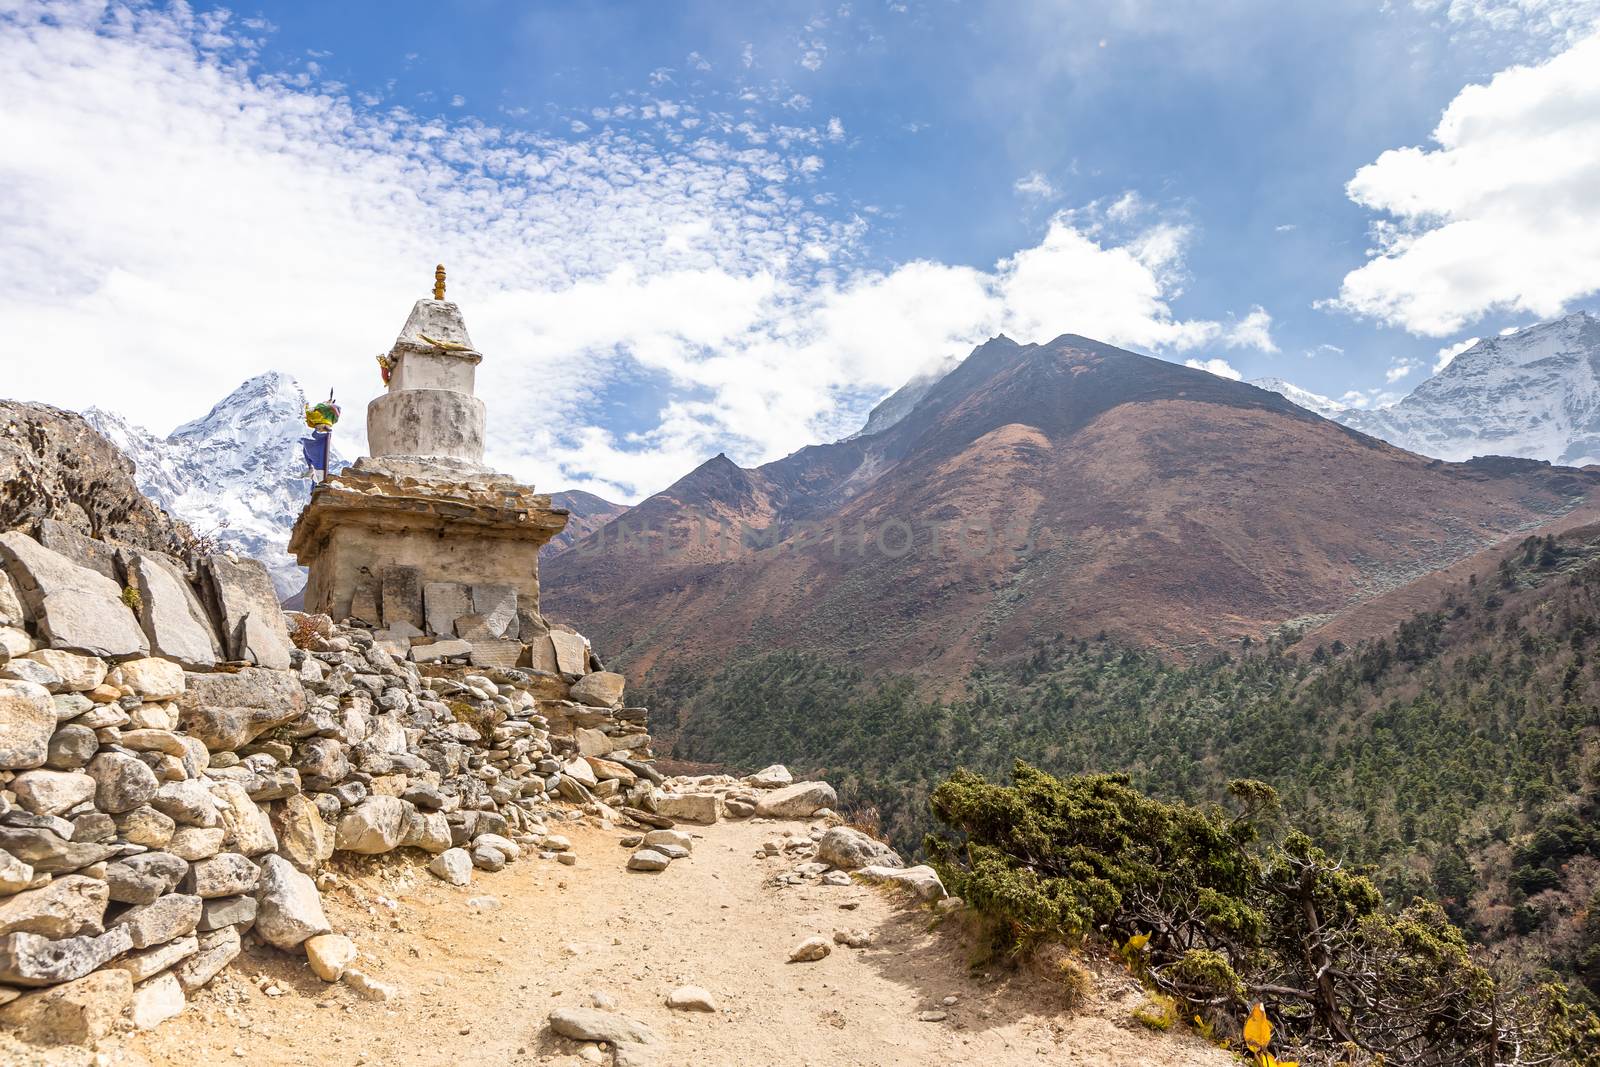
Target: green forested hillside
[(1459, 757)]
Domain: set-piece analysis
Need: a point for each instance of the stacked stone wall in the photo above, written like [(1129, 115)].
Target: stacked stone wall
[(179, 760)]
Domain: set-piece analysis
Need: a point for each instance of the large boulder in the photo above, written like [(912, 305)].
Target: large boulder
[(77, 1013), (849, 849), (799, 801), (375, 825), (32, 960), (65, 907), (77, 673), (123, 782), (290, 907), (152, 678), (229, 710), (690, 807), (246, 606), (27, 720), (76, 609), (602, 689), (55, 465), (52, 792), (170, 611)]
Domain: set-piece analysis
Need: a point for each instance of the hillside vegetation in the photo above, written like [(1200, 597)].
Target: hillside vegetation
[(1458, 758)]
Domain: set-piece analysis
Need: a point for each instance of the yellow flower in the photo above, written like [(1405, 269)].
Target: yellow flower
[(1267, 1059), (1257, 1030), (1137, 942)]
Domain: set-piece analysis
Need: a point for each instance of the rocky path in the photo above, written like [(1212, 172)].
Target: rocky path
[(475, 979)]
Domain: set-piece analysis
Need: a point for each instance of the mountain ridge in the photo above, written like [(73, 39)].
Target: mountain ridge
[(1109, 490)]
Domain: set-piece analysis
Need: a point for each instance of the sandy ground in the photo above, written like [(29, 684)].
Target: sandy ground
[(477, 982)]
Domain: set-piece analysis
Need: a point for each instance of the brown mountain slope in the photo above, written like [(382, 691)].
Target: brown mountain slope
[(586, 513), (1069, 487)]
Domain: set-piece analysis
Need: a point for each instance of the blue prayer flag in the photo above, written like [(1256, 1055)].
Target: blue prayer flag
[(315, 449)]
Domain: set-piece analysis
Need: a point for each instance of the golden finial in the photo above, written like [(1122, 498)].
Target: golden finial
[(438, 282)]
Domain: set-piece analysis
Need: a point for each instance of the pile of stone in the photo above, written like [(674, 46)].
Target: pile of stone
[(771, 793), (179, 759)]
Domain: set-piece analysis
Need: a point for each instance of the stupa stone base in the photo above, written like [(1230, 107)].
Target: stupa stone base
[(377, 534)]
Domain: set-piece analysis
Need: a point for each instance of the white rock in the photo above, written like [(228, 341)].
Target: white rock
[(691, 998), (669, 837), (375, 825), (849, 849), (369, 987), (153, 679), (453, 865), (774, 777), (27, 721), (799, 801), (648, 860), (156, 1000), (330, 955), (810, 950), (291, 908), (52, 792), (78, 674)]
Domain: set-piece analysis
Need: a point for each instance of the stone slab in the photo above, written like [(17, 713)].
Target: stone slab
[(402, 596), (444, 603), (173, 617), (247, 611), (76, 609)]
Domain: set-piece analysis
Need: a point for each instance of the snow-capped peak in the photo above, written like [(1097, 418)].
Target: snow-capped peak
[(237, 471), (1324, 406), (1574, 333), (1533, 393)]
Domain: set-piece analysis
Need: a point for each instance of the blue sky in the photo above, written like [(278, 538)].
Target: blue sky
[(678, 229)]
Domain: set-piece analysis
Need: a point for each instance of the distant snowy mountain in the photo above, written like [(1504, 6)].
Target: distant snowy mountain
[(1328, 409), (237, 472), (1534, 394)]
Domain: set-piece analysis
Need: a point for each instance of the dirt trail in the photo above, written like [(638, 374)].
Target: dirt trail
[(477, 984)]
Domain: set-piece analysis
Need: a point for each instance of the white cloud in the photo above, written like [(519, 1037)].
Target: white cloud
[(1448, 353), (1559, 21), (1501, 216), (1034, 184), (1220, 367), (1252, 331), (458, 101), (177, 220), (1398, 371), (1285, 227)]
